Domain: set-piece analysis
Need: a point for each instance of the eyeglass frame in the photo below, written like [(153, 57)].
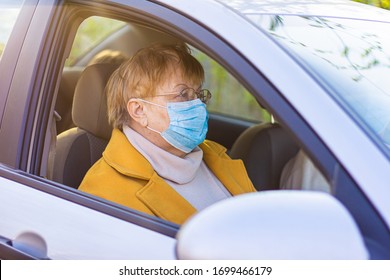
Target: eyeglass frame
[(206, 97)]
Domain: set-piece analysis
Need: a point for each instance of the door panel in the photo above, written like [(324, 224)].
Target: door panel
[(72, 231)]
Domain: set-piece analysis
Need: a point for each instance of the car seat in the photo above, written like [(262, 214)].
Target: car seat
[(78, 148), (64, 101), (264, 149)]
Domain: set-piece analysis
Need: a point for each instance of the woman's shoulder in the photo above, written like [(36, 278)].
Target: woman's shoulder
[(96, 173), (105, 181)]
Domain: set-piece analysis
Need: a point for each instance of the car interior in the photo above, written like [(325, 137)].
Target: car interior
[(83, 130)]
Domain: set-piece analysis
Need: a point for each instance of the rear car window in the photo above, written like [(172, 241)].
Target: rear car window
[(92, 31)]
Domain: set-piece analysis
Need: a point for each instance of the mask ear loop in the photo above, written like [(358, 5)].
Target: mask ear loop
[(152, 103), (152, 129)]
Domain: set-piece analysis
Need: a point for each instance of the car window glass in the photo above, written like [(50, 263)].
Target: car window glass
[(229, 96), (90, 33), (9, 11), (353, 55)]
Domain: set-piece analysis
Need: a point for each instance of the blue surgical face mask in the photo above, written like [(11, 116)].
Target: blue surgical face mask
[(188, 124)]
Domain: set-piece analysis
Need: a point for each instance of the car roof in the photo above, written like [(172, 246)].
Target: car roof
[(323, 8)]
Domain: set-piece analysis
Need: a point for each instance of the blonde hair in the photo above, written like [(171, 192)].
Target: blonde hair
[(140, 76)]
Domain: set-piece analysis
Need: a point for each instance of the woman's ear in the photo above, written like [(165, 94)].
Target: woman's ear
[(136, 110)]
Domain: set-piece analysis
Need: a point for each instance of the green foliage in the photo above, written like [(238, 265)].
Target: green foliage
[(385, 4)]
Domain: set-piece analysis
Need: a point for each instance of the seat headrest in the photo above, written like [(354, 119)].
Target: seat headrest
[(89, 111), (64, 101)]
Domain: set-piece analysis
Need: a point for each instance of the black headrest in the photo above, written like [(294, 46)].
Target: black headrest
[(89, 110)]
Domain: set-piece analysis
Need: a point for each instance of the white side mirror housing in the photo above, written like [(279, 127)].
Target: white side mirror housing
[(273, 225)]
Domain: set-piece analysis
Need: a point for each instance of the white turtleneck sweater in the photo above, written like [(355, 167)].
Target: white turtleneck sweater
[(189, 176)]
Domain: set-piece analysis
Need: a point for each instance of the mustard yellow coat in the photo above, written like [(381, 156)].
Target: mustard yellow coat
[(124, 176)]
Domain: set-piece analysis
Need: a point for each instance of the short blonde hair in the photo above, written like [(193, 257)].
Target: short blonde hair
[(140, 76)]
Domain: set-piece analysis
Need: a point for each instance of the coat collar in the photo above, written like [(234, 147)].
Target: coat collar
[(231, 173), (156, 194), (124, 158)]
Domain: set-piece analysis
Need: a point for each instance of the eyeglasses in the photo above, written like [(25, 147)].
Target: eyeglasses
[(188, 94)]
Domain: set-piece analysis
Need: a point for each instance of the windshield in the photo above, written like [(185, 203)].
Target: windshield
[(9, 10), (351, 57)]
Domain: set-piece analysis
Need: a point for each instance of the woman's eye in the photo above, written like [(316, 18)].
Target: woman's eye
[(177, 98), (183, 94)]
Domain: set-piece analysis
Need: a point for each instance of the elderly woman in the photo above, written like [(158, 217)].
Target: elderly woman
[(157, 160)]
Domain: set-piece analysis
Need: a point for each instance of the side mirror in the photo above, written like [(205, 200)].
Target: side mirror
[(272, 225)]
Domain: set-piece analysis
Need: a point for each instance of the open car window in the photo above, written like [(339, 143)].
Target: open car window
[(235, 108), (100, 34)]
